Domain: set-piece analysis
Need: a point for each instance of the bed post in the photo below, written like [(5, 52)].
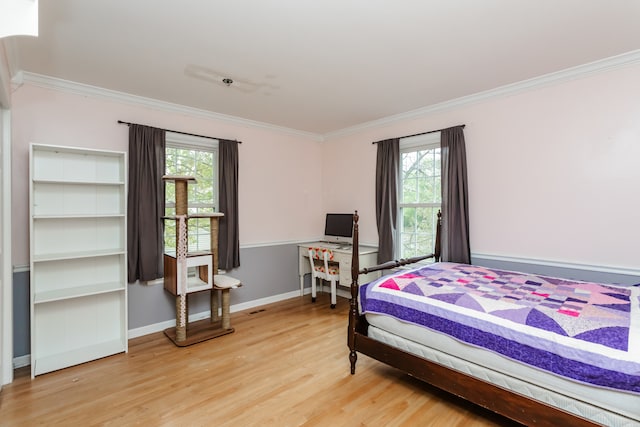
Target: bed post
[(436, 249), (353, 303)]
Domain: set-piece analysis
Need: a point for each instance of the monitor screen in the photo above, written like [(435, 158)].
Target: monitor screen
[(338, 227)]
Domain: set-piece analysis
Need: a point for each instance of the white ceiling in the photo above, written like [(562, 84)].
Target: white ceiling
[(319, 66)]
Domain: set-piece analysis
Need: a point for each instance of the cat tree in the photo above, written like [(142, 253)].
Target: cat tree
[(178, 282)]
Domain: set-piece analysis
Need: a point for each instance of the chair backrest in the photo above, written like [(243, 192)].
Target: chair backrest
[(316, 253), (323, 254)]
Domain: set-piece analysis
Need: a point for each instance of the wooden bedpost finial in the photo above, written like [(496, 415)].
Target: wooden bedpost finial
[(355, 260)]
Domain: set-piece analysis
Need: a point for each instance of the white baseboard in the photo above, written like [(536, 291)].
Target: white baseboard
[(21, 361), (157, 327)]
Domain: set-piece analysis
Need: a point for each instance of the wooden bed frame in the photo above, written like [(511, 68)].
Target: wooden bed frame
[(497, 399)]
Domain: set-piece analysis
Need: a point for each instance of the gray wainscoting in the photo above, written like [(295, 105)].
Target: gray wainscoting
[(265, 272), (21, 316), (568, 272)]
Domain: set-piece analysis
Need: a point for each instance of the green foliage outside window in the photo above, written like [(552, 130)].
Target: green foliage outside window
[(202, 195), (420, 200)]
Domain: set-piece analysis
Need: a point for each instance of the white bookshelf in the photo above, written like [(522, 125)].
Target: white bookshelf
[(78, 257)]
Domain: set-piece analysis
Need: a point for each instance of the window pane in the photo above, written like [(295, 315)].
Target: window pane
[(409, 190), (426, 163), (408, 231), (170, 230), (420, 199), (202, 195), (409, 220), (417, 234)]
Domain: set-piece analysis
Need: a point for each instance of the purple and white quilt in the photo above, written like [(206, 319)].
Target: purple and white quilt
[(588, 332)]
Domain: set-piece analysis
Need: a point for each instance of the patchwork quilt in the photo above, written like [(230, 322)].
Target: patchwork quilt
[(587, 332)]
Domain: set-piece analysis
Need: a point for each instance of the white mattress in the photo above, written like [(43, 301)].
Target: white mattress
[(604, 406)]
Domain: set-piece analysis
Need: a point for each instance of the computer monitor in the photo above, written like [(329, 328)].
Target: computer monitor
[(338, 227)]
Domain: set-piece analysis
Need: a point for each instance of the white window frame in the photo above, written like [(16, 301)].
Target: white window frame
[(415, 143), (189, 142)]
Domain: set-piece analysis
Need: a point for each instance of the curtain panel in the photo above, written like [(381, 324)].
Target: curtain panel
[(145, 203), (387, 164), (229, 235), (455, 204)]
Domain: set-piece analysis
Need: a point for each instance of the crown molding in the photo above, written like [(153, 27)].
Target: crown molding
[(573, 73), (67, 86)]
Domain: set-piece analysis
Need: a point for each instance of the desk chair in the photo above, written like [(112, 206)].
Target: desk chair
[(323, 268)]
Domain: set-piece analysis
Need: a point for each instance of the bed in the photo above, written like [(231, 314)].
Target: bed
[(538, 350)]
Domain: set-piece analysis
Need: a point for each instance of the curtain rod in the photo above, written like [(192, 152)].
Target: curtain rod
[(421, 133), (177, 131)]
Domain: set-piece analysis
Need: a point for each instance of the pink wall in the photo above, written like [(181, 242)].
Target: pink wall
[(553, 171), (278, 170)]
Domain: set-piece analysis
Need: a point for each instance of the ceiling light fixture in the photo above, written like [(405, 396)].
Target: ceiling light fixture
[(221, 78)]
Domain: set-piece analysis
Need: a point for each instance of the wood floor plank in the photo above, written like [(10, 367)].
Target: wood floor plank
[(285, 365)]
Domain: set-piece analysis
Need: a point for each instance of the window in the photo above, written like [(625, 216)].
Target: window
[(419, 194), (198, 157)]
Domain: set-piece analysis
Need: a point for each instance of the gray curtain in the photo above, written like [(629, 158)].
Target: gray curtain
[(455, 205), (387, 164), (145, 203), (229, 236)]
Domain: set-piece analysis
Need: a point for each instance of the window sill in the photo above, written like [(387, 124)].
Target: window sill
[(154, 282)]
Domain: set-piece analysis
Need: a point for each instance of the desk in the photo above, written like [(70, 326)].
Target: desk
[(368, 257)]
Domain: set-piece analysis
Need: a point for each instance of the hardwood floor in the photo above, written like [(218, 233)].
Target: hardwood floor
[(285, 365)]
